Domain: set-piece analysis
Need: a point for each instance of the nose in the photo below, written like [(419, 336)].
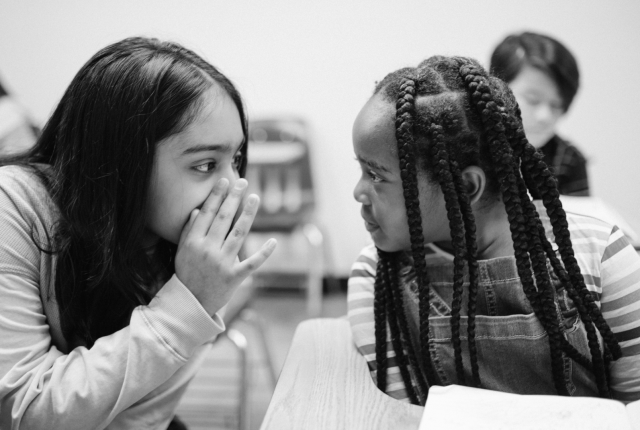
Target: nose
[(360, 193), (545, 113), (231, 174)]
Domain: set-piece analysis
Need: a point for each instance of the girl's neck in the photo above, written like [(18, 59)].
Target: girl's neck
[(493, 233)]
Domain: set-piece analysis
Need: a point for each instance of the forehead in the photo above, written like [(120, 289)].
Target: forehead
[(374, 129), (216, 122), (531, 79)]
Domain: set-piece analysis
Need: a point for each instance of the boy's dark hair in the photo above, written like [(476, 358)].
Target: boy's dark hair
[(99, 146), (451, 114), (542, 52)]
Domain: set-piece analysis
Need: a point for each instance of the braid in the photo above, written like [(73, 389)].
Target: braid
[(440, 159), (405, 112), (575, 285), (545, 299), (502, 156), (549, 315), (392, 275), (380, 316), (536, 228), (518, 143), (534, 166), (560, 220), (540, 240), (397, 341), (472, 260), (540, 180)]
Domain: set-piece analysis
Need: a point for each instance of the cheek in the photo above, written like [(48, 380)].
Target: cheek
[(526, 112), (170, 208), (392, 207), (435, 222)]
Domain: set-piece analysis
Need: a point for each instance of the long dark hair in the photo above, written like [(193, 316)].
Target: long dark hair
[(99, 146), (451, 114), (542, 52)]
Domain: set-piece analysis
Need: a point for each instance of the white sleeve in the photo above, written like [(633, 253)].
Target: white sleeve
[(43, 388), (40, 386)]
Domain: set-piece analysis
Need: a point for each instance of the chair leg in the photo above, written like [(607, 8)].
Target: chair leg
[(240, 341), (316, 269), (251, 317)]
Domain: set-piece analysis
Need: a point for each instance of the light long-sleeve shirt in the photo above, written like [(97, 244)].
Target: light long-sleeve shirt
[(131, 379)]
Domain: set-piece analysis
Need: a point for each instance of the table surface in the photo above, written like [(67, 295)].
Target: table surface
[(325, 384)]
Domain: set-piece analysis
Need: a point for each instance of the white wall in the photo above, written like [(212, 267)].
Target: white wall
[(321, 59)]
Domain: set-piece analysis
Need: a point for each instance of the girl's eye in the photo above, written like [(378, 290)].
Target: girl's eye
[(557, 108), (206, 167), (374, 176), (532, 101)]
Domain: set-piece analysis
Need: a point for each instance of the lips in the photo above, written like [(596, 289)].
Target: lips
[(370, 227), (368, 224)]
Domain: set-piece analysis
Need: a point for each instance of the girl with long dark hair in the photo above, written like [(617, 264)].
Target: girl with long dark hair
[(117, 241)]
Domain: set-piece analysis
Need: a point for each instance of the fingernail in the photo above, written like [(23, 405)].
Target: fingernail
[(241, 184), (271, 243), (252, 200), (222, 182)]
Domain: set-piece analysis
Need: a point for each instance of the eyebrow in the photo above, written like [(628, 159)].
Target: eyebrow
[(221, 147), (373, 164)]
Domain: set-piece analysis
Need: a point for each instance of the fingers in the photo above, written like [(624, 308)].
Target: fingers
[(210, 208), (188, 226), (223, 219), (249, 265), (241, 228)]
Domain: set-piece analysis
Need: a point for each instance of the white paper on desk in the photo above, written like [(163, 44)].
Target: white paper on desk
[(457, 407), (633, 410)]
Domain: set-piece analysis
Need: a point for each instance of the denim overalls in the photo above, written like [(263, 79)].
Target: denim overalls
[(513, 348)]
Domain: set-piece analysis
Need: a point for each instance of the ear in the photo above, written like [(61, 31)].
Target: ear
[(475, 182)]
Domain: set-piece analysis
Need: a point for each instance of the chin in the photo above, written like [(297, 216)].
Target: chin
[(538, 140), (174, 240), (387, 244), (389, 247), (170, 238)]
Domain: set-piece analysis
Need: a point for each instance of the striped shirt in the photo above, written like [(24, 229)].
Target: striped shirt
[(611, 270)]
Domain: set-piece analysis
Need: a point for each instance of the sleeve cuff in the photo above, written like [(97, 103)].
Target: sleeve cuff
[(179, 320)]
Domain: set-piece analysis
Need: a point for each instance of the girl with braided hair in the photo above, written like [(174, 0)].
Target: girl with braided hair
[(470, 281)]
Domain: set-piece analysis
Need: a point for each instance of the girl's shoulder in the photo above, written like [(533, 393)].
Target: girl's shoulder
[(23, 190), (366, 262), (22, 178), (588, 234), (576, 220)]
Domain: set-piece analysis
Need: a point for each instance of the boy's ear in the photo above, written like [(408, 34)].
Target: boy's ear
[(475, 182)]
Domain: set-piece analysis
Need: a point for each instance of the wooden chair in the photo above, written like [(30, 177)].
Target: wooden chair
[(279, 171)]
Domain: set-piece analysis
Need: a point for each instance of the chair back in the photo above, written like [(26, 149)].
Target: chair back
[(279, 170)]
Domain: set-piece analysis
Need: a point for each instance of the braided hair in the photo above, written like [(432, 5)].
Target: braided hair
[(451, 114)]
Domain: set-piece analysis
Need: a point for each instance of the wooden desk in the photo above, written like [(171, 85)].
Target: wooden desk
[(325, 384)]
